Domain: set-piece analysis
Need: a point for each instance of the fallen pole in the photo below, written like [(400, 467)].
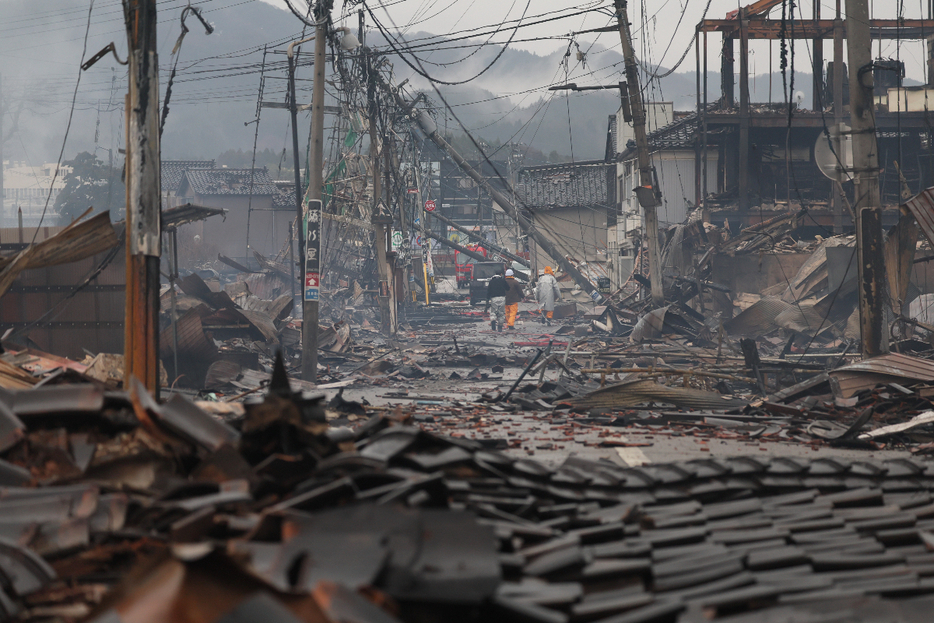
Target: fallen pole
[(428, 126), (449, 243), (481, 241)]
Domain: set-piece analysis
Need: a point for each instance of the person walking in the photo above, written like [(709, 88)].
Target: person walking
[(547, 293), (514, 294), (496, 300)]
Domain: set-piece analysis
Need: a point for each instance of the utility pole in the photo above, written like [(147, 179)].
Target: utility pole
[(2, 203), (838, 115), (869, 242), (309, 325), (143, 215), (315, 183), (744, 109), (419, 207), (379, 219), (453, 245), (649, 196)]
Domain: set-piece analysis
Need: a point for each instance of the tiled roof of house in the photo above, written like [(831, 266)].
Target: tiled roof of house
[(572, 185), (227, 182), (679, 134), (285, 196), (172, 171)]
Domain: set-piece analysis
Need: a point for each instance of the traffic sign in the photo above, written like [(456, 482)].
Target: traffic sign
[(312, 286), (430, 205), (397, 239)]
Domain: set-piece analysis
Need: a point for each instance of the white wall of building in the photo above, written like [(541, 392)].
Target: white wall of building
[(27, 187), (657, 115)]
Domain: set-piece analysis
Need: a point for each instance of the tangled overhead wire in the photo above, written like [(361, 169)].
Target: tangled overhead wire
[(208, 29), (393, 43)]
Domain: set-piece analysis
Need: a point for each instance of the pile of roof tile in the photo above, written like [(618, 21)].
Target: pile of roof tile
[(115, 507)]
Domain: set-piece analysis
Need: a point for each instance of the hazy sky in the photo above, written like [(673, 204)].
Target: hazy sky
[(40, 47), (660, 16)]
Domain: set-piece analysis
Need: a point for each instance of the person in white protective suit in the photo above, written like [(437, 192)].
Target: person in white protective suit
[(547, 293)]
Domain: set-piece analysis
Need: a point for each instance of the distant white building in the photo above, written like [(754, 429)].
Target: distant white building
[(671, 143), (27, 187)]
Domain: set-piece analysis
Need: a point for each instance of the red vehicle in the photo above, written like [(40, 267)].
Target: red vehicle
[(463, 265)]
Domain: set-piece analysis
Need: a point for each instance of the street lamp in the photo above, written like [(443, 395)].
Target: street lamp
[(310, 275), (623, 94)]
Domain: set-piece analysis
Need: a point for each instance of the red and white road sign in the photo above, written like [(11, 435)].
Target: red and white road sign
[(430, 205), (312, 280)]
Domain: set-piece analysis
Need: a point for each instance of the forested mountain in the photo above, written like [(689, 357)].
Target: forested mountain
[(214, 93)]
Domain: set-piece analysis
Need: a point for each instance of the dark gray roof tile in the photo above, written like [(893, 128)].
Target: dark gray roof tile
[(573, 185), (228, 182), (172, 171)]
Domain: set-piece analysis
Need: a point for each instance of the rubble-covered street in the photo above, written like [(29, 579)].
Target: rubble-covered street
[(549, 473), (315, 316)]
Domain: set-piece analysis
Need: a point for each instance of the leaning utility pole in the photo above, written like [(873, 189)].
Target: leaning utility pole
[(869, 242), (430, 128), (380, 220), (453, 245), (143, 223), (649, 196), (481, 241)]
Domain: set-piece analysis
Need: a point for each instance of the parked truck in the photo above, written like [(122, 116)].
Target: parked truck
[(464, 265)]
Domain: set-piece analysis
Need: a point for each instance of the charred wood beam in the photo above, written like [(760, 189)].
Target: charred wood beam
[(760, 28)]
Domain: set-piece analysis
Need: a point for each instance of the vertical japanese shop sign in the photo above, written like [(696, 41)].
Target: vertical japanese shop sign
[(313, 250)]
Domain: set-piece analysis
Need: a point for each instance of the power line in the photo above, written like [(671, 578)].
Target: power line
[(58, 163), (421, 71)]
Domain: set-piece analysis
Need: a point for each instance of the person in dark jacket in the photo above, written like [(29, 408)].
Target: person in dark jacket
[(496, 301), (513, 295)]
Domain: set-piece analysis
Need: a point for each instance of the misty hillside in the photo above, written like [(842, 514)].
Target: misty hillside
[(215, 91)]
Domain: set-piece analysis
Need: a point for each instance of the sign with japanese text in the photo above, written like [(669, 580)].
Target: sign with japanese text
[(312, 251), (312, 286)]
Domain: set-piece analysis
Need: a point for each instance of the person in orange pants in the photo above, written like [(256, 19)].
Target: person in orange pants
[(513, 296)]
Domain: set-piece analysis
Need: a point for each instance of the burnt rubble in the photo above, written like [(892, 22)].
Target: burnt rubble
[(449, 471), (117, 508)]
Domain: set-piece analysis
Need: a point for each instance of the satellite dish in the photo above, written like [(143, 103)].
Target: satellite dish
[(799, 97), (834, 153)]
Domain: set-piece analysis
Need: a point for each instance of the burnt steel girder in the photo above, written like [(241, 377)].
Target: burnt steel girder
[(761, 28)]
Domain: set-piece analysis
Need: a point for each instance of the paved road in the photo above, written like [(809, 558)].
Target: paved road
[(542, 436)]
